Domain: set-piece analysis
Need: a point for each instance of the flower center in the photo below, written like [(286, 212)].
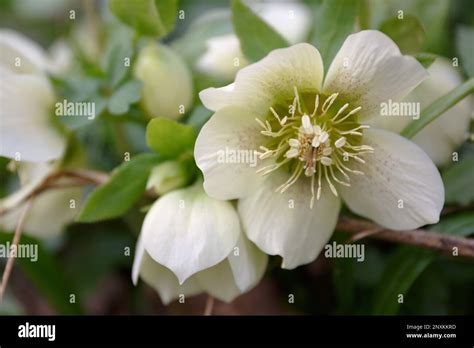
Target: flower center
[(318, 142)]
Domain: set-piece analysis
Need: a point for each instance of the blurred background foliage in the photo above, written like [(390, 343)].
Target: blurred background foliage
[(93, 261)]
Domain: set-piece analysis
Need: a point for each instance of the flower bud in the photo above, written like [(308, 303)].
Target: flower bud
[(167, 84), (168, 176)]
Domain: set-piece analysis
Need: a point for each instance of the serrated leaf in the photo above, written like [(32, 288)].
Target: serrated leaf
[(407, 32), (126, 95), (169, 138), (124, 188), (256, 37), (335, 20)]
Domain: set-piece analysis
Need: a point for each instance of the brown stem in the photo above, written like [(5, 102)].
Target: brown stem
[(421, 238), (16, 240), (209, 305)]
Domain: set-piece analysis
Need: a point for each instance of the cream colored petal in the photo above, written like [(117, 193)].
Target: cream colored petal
[(22, 55), (26, 130), (401, 188), (218, 281), (283, 223), (247, 263), (225, 151), (272, 79), (369, 69), (187, 231), (159, 277)]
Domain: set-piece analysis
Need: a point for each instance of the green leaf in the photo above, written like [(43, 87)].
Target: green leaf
[(334, 21), (124, 188), (426, 59), (47, 275), (465, 47), (458, 181), (124, 96), (408, 33), (169, 138), (148, 17), (461, 225), (408, 263), (113, 62), (364, 14), (402, 269), (256, 37), (199, 117), (436, 109)]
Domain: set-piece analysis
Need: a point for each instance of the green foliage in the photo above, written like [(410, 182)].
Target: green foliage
[(425, 59), (334, 21), (47, 275), (408, 33), (256, 37), (126, 95), (407, 263), (458, 181), (169, 138), (148, 17), (124, 188), (465, 47)]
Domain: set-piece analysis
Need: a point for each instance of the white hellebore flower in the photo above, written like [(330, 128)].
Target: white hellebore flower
[(191, 243), (27, 100), (28, 136), (167, 82), (315, 148), (444, 135), (223, 56)]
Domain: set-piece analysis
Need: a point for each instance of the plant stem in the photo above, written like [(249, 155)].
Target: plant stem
[(420, 238), (442, 104)]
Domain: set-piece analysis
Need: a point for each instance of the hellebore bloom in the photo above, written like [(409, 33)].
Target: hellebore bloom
[(27, 99), (28, 136), (167, 82), (191, 243), (315, 147), (445, 134)]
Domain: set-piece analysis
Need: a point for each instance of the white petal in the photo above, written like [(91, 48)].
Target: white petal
[(187, 231), (159, 277), (218, 281), (248, 264), (17, 48), (225, 152), (27, 102), (273, 78), (221, 56), (398, 172), (217, 98), (369, 69), (284, 224), (290, 18)]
